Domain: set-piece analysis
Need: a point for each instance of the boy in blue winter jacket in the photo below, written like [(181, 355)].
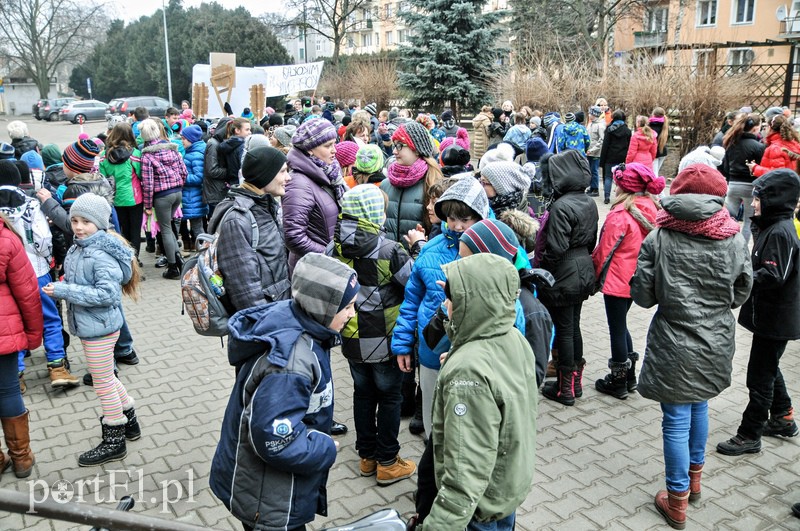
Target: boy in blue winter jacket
[(192, 205), (275, 449)]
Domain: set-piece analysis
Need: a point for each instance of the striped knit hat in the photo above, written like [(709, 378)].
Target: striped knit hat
[(365, 201), (320, 284), (415, 136), (491, 236), (79, 156), (346, 153), (369, 159), (313, 133)]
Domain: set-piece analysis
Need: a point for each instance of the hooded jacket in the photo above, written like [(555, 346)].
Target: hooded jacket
[(574, 136), (641, 149), (95, 270), (192, 204), (21, 318), (779, 153), (23, 145), (485, 402), (215, 174), (231, 150), (120, 164), (616, 141), (773, 308), (597, 130), (29, 221), (695, 281)]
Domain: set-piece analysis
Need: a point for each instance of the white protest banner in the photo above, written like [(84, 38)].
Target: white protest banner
[(290, 79)]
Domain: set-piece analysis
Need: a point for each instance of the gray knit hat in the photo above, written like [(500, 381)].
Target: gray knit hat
[(468, 190), (319, 284), (284, 135), (372, 109), (506, 177), (415, 136), (93, 208)]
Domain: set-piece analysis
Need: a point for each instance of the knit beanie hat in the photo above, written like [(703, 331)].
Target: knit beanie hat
[(372, 109), (261, 164), (491, 236), (447, 115), (92, 208), (24, 172), (595, 111), (285, 134), (415, 136), (636, 177), (470, 192), (369, 159), (551, 118), (79, 156), (365, 201), (192, 134), (500, 151), (718, 152), (9, 174), (455, 156), (702, 155), (569, 117), (6, 151), (51, 155), (535, 120), (771, 113), (275, 120), (699, 179), (313, 133), (506, 177), (535, 149), (33, 160), (580, 117), (320, 284), (346, 153)]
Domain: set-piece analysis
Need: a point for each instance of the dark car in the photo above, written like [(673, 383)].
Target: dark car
[(48, 109), (157, 107), (82, 111)]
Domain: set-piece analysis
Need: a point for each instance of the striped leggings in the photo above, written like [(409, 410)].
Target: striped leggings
[(113, 397)]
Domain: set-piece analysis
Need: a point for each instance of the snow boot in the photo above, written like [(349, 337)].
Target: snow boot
[(112, 448), (563, 389), (616, 383)]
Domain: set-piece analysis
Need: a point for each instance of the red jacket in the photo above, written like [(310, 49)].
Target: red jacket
[(21, 318), (623, 231), (641, 149), (775, 157)]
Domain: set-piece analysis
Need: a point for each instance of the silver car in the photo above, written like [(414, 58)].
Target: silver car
[(83, 111)]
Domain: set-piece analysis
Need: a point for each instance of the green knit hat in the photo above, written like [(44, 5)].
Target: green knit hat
[(369, 159), (51, 155)]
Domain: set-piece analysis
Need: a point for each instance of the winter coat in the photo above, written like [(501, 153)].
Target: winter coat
[(480, 132), (518, 137), (21, 318), (620, 240), (251, 278), (120, 165), (695, 281), (192, 204), (657, 128), (23, 145), (231, 150), (29, 221), (597, 131), (406, 208), (539, 132), (746, 149), (485, 401), (54, 177), (641, 149), (615, 144), (215, 174), (570, 231), (95, 270), (383, 268), (163, 171), (773, 308), (574, 136), (273, 456), (310, 209), (775, 155)]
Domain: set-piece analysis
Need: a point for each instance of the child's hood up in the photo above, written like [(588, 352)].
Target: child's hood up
[(778, 191)]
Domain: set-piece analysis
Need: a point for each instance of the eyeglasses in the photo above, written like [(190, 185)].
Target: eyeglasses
[(398, 146)]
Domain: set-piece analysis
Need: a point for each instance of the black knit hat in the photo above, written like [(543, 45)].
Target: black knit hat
[(260, 165), (9, 174)]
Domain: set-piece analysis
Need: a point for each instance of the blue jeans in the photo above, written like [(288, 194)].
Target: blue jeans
[(504, 524), (11, 404), (124, 344), (53, 340), (594, 165), (685, 432), (607, 180), (376, 409)]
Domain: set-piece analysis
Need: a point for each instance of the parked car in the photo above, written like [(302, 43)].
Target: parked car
[(48, 109), (88, 109), (157, 107)]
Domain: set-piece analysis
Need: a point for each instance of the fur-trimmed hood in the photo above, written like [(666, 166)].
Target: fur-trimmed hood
[(523, 225), (112, 246)]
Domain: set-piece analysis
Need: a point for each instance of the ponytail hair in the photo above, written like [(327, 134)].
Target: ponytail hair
[(236, 123), (131, 289), (745, 122), (642, 124), (433, 176), (659, 112)]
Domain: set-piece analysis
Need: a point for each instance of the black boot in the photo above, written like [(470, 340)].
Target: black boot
[(172, 272), (132, 429), (416, 426), (616, 383), (563, 389), (633, 357), (578, 387), (111, 449)]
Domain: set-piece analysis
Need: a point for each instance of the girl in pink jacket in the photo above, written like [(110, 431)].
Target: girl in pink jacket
[(631, 218), (644, 144)]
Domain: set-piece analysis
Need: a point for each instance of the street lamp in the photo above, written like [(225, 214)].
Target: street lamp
[(166, 51)]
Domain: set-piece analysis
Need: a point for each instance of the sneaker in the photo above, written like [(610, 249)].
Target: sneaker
[(368, 467), (399, 470), (162, 262), (781, 426), (128, 359), (737, 445), (61, 377), (87, 378), (594, 193)]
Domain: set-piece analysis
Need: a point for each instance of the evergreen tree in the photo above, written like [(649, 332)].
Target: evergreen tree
[(451, 53)]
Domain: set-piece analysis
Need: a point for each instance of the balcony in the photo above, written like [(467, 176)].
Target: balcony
[(363, 25), (649, 39), (790, 27)]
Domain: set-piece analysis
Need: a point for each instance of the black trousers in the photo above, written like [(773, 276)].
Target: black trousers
[(767, 389), (130, 224), (569, 341)]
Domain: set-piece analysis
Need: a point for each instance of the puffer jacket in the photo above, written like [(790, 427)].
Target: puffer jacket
[(773, 308), (480, 132), (747, 148), (310, 209), (615, 143), (779, 153), (250, 278), (641, 149), (21, 318), (23, 145), (484, 411), (29, 221), (406, 208), (620, 240), (695, 281), (95, 270), (383, 268), (597, 131), (192, 204), (271, 464), (120, 164), (215, 174), (570, 231)]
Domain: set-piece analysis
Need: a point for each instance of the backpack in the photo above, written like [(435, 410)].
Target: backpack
[(202, 300)]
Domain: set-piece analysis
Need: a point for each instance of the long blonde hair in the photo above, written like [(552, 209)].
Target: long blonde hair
[(131, 289), (642, 124), (659, 112)]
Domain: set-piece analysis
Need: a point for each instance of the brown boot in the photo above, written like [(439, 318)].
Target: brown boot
[(18, 440), (695, 473), (672, 506), (552, 365)]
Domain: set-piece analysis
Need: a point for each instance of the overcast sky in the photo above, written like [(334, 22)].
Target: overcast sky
[(130, 10)]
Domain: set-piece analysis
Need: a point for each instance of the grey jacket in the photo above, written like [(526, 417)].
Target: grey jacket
[(95, 269), (695, 282)]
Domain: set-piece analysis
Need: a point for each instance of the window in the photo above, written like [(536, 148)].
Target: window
[(388, 39), (351, 43), (707, 13), (388, 11), (302, 54), (402, 36), (740, 59), (377, 39), (704, 62), (366, 40), (743, 11), (657, 19), (319, 46)]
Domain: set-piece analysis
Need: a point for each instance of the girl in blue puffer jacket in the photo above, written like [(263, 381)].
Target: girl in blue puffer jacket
[(192, 205)]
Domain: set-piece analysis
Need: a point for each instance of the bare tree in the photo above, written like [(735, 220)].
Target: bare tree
[(332, 19), (40, 35)]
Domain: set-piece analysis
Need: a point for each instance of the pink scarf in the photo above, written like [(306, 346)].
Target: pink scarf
[(720, 226), (407, 176)]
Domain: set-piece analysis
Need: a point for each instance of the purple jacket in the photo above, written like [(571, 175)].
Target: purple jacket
[(310, 209)]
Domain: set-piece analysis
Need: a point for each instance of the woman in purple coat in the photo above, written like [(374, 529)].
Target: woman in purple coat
[(311, 204)]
